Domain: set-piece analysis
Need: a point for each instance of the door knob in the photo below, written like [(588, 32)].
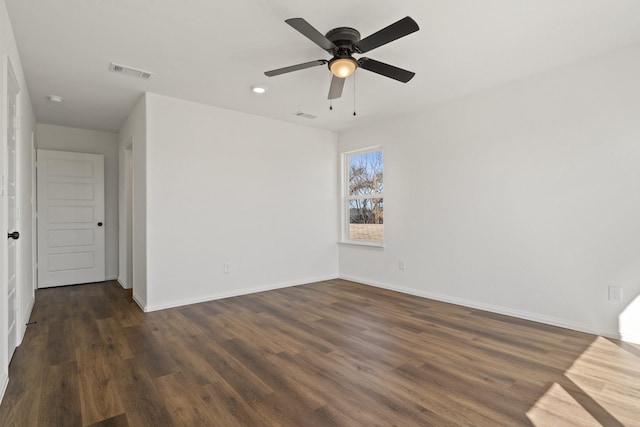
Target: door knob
[(15, 235), (99, 224)]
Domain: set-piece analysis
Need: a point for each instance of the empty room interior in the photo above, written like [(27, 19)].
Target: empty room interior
[(279, 213)]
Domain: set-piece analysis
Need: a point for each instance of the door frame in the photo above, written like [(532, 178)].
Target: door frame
[(129, 213), (34, 217), (125, 212), (16, 337)]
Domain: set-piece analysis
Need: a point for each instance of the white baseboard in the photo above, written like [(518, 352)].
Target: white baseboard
[(141, 304), (634, 338), (25, 320), (3, 387), (499, 310), (122, 284), (235, 293)]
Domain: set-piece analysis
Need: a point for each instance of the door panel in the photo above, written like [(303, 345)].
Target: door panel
[(61, 238), (71, 261), (70, 191), (71, 214), (71, 229), (12, 210)]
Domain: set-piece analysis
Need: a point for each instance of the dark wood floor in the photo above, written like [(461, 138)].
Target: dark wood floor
[(325, 354)]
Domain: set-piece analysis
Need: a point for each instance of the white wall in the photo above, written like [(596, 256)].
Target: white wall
[(133, 132), (61, 138), (523, 199), (227, 187), (25, 288)]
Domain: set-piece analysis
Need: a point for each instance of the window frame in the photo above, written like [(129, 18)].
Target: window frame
[(346, 198)]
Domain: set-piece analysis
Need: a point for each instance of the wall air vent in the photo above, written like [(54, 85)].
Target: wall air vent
[(305, 115), (130, 71)]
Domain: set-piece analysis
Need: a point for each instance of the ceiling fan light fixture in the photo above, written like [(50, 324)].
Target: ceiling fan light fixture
[(343, 67)]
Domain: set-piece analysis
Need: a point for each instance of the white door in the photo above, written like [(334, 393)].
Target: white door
[(70, 218), (12, 210)]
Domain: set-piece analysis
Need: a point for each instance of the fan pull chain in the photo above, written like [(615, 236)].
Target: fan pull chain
[(331, 104), (354, 93)]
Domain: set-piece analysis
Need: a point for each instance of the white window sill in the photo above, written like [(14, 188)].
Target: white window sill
[(363, 243)]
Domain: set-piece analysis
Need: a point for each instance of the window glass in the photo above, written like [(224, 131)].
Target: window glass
[(365, 173), (364, 187)]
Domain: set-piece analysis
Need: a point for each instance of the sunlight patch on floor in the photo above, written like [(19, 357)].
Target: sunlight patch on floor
[(557, 408), (601, 388), (597, 373)]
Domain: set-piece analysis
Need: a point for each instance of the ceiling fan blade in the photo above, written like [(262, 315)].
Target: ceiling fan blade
[(311, 33), (398, 29), (385, 69), (295, 68), (335, 90)]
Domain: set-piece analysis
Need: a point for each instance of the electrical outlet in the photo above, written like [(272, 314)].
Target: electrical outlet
[(227, 267), (615, 293), (402, 265)]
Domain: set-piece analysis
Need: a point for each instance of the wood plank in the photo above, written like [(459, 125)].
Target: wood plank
[(99, 398), (227, 406), (184, 404), (60, 396), (143, 405), (117, 421)]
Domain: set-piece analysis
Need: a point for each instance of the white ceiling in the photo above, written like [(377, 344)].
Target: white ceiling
[(211, 52)]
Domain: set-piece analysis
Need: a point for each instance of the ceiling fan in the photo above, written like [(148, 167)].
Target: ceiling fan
[(342, 43)]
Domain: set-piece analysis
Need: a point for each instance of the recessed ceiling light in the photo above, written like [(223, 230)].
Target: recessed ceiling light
[(54, 98), (258, 89)]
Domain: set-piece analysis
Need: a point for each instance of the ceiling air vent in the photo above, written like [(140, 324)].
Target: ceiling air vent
[(305, 115), (130, 71)]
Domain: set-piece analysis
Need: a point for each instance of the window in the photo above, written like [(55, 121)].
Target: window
[(363, 187)]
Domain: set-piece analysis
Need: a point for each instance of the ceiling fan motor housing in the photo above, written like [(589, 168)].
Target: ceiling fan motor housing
[(344, 38)]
